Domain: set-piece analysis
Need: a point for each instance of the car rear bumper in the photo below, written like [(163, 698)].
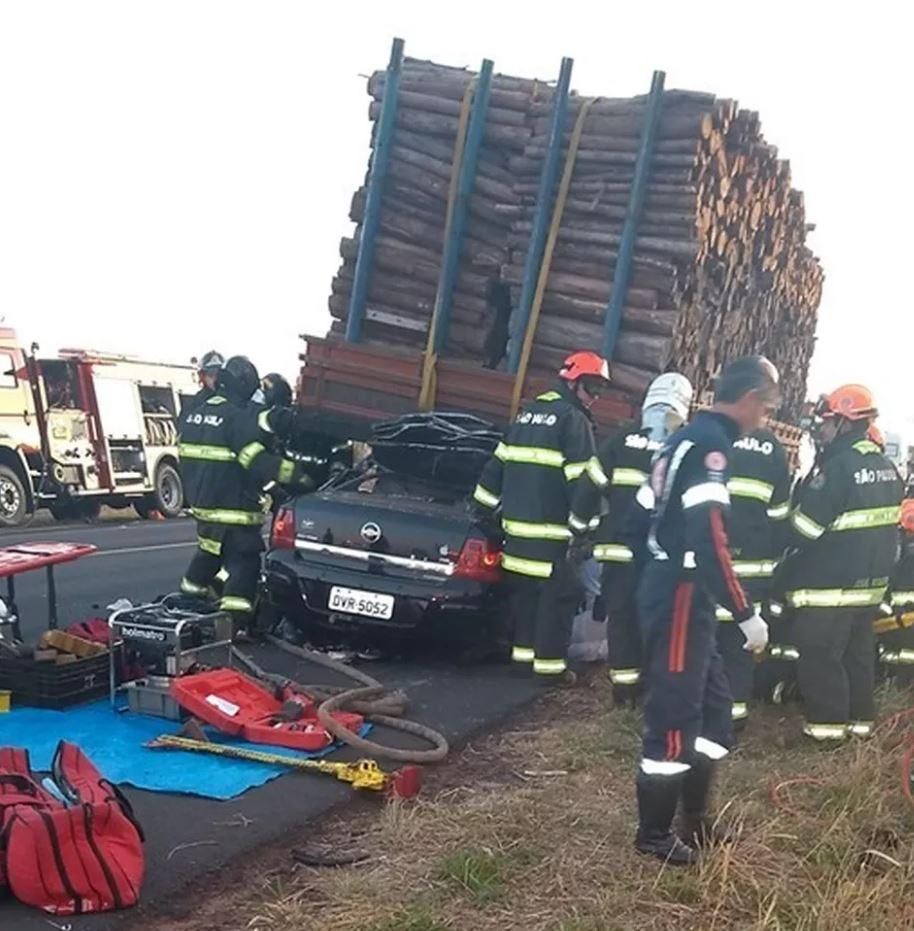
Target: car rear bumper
[(299, 589)]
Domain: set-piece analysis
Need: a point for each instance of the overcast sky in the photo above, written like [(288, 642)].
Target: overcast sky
[(176, 175)]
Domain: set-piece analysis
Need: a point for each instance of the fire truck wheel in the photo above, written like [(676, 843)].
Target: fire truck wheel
[(14, 505), (168, 497)]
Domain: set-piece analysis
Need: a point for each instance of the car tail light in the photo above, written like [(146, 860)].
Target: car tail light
[(282, 536), (479, 560)]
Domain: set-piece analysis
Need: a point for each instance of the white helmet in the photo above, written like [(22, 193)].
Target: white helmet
[(671, 390)]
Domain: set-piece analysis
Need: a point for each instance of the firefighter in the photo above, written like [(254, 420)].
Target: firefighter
[(225, 465), (207, 374), (617, 472), (843, 539), (759, 487), (688, 569), (531, 480), (896, 626)]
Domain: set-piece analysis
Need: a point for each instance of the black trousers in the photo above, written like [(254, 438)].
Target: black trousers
[(542, 615), (836, 669), (618, 589), (687, 707), (233, 552), (739, 666)]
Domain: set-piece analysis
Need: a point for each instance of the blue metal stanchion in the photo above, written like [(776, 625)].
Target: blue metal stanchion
[(451, 256), (376, 175), (545, 198), (623, 273)]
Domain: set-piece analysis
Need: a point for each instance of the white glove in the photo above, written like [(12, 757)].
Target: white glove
[(755, 630)]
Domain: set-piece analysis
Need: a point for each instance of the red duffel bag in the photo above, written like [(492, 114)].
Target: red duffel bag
[(68, 859)]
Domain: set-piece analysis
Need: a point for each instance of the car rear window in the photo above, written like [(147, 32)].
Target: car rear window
[(393, 485)]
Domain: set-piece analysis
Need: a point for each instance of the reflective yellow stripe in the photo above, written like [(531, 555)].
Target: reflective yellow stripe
[(739, 711), (222, 575), (898, 657), (779, 512), (574, 470), (531, 531), (860, 728), (806, 525), (532, 455), (612, 552), (486, 498), (902, 598), (868, 517), (760, 569), (550, 396), (596, 473), (286, 471), (263, 421), (532, 567), (549, 667), (826, 731), (835, 597), (625, 676), (523, 654), (250, 453), (867, 446), (629, 477), (206, 453), (191, 588), (226, 516), (750, 488), (217, 399), (208, 545), (781, 651), (235, 603)]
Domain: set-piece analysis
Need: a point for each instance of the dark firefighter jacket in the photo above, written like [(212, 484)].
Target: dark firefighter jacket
[(192, 402), (690, 504), (759, 487), (843, 530), (613, 476), (901, 584), (225, 465), (531, 479)]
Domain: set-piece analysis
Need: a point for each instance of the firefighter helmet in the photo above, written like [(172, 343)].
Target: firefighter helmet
[(276, 391), (212, 361), (906, 520), (671, 390), (852, 402), (585, 364), (238, 378)]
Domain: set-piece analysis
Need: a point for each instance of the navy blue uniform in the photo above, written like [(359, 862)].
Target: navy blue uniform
[(687, 572)]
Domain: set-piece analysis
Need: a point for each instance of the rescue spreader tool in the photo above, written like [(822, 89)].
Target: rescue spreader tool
[(361, 774)]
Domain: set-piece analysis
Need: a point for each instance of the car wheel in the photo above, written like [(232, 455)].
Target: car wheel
[(14, 505), (168, 497)]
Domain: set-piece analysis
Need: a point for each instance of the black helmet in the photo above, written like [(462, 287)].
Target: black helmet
[(276, 391), (238, 378), (211, 361)]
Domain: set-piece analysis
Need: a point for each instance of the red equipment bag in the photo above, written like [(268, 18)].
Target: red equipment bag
[(240, 707), (67, 859)]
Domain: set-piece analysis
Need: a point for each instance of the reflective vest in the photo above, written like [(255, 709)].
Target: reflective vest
[(844, 529), (531, 478)]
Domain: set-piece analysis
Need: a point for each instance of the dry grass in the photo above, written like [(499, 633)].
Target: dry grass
[(534, 832)]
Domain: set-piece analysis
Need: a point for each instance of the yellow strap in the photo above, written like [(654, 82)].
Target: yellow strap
[(429, 388), (546, 264)]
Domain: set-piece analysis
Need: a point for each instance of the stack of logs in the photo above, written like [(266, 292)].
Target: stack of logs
[(720, 268)]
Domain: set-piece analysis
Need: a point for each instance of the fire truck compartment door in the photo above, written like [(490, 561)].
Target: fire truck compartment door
[(119, 409)]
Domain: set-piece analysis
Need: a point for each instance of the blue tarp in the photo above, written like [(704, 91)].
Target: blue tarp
[(114, 741)]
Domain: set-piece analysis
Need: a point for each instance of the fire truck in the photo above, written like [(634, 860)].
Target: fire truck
[(86, 429)]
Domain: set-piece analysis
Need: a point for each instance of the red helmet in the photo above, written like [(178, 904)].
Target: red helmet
[(852, 402), (585, 364)]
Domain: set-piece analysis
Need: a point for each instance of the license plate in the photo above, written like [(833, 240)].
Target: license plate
[(368, 604)]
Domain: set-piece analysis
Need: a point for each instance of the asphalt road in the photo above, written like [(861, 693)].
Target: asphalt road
[(189, 837), (136, 559)]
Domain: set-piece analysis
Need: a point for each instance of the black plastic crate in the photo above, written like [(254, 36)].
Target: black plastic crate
[(47, 685)]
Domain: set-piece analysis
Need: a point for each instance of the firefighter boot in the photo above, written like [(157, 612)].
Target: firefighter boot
[(657, 800), (626, 696), (697, 827)]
